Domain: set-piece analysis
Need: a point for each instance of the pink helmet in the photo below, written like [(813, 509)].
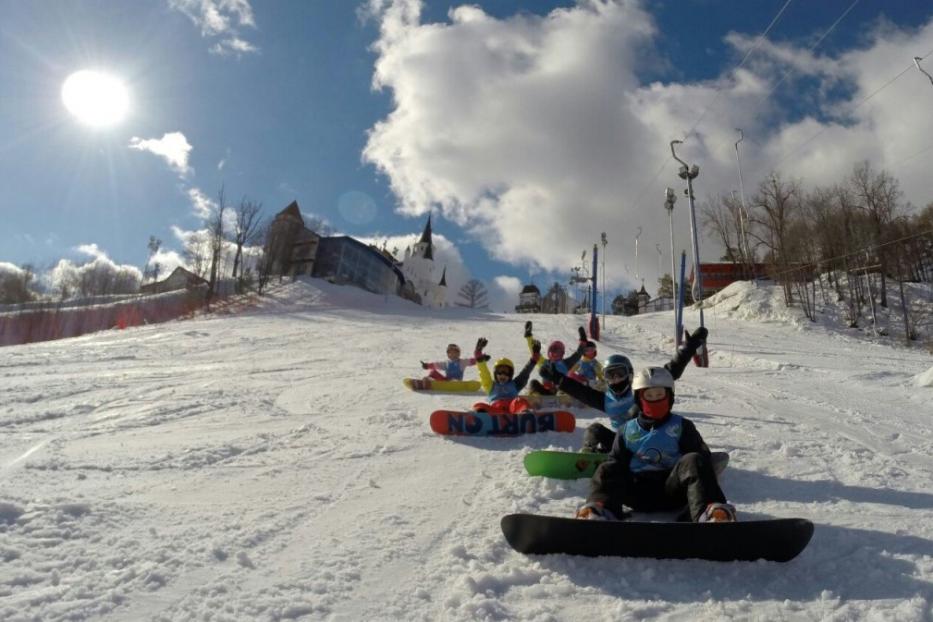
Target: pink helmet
[(556, 350)]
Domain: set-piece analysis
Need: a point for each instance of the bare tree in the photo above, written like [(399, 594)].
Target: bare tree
[(776, 205), (216, 232), (246, 230), (195, 253), (473, 295), (877, 195)]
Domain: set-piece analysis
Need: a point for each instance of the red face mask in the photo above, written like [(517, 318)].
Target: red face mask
[(657, 409)]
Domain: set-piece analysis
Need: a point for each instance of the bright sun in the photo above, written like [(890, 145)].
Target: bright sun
[(95, 98)]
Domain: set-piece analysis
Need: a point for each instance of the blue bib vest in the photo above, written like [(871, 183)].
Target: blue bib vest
[(454, 370), (657, 449), (617, 407), (587, 369), (503, 390)]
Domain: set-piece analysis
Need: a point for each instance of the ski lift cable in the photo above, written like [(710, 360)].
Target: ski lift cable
[(748, 54), (810, 50), (665, 161), (860, 103)]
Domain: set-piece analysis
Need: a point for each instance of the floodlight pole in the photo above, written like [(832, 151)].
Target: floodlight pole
[(744, 219), (669, 199), (604, 242), (689, 173)]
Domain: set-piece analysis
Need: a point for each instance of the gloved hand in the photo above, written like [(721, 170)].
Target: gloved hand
[(582, 335), (483, 357), (425, 365), (527, 329), (697, 339), (549, 372), (535, 350), (480, 344)]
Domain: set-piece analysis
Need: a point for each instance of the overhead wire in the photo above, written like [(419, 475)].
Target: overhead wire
[(665, 162), (858, 105)]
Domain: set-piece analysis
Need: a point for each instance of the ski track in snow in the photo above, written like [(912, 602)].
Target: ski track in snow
[(270, 466)]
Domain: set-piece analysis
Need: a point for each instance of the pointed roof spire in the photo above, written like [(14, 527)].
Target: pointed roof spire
[(443, 282), (293, 210), (426, 239)]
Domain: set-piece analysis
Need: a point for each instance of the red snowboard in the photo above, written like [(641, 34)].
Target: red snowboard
[(459, 423)]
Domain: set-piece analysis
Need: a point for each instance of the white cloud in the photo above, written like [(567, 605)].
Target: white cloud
[(503, 293), (91, 250), (203, 205), (232, 46), (173, 147), (535, 133), (220, 18), (100, 275)]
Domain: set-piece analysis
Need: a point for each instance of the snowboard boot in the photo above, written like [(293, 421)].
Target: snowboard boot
[(594, 511), (718, 513)]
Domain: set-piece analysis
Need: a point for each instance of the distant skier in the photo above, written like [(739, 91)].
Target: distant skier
[(502, 386), (658, 462), (555, 359), (452, 368), (617, 400)]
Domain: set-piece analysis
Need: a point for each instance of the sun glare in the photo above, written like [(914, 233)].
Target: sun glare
[(95, 98)]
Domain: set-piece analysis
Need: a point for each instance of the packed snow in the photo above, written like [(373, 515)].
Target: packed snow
[(270, 465)]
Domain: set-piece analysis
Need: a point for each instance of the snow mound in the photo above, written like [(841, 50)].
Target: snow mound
[(744, 301), (925, 379)]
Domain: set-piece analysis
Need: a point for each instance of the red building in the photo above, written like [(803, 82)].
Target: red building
[(718, 276)]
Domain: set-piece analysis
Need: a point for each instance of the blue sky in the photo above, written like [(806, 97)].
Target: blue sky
[(527, 127)]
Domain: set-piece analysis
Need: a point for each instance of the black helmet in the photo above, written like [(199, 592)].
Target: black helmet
[(619, 366)]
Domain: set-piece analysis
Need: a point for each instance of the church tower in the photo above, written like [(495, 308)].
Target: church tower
[(418, 268)]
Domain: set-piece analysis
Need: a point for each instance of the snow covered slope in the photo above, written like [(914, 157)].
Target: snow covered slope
[(271, 466)]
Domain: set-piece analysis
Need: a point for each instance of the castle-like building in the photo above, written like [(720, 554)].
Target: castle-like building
[(420, 272)]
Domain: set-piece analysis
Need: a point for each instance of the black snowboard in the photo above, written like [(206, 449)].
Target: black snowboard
[(776, 540)]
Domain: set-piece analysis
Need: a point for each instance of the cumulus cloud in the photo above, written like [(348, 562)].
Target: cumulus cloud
[(536, 134), (220, 18), (202, 205), (100, 275), (503, 293), (173, 147)]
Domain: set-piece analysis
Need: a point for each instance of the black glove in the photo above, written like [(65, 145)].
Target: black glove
[(424, 365), (527, 329), (480, 344), (535, 349), (549, 372), (483, 357), (582, 335), (698, 338)]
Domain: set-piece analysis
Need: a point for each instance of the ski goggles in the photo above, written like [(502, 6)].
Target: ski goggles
[(617, 375)]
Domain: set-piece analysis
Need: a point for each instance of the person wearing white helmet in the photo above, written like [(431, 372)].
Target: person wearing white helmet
[(618, 400), (659, 462)]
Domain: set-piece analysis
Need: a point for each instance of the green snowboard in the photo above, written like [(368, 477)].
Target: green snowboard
[(576, 465)]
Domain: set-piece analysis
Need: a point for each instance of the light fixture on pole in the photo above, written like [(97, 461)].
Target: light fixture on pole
[(669, 199), (689, 173), (917, 60)]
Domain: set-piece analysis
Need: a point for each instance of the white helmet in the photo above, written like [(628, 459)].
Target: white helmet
[(653, 377)]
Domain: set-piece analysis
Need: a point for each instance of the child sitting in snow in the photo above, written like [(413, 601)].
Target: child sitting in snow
[(452, 368), (502, 386), (555, 359), (658, 462), (588, 370)]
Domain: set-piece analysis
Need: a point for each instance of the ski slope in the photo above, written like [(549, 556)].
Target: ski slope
[(270, 466)]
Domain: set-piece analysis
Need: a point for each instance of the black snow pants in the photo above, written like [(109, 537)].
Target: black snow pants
[(692, 483)]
